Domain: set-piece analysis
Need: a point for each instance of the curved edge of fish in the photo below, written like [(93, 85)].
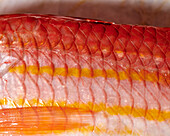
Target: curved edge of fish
[(71, 76)]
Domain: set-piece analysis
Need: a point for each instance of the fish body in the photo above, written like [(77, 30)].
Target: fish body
[(70, 76)]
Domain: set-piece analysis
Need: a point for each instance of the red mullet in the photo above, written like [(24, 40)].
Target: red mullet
[(70, 76)]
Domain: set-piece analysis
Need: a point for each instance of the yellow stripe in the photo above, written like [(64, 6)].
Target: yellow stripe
[(85, 72), (103, 130), (151, 114)]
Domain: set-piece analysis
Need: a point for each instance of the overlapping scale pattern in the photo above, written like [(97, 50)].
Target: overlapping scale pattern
[(118, 74)]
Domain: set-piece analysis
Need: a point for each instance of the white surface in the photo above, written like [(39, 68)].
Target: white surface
[(147, 12)]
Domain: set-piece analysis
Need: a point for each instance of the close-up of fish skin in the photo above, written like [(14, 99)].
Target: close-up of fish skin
[(72, 76)]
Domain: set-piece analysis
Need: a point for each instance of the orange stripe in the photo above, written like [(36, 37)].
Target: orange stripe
[(151, 114), (121, 131), (40, 120), (122, 75), (45, 120)]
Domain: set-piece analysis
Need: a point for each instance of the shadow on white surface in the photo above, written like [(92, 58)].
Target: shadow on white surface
[(132, 12)]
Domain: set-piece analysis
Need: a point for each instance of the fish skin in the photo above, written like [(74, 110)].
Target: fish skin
[(116, 73)]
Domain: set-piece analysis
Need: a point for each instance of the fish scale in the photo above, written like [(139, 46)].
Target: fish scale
[(114, 78)]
